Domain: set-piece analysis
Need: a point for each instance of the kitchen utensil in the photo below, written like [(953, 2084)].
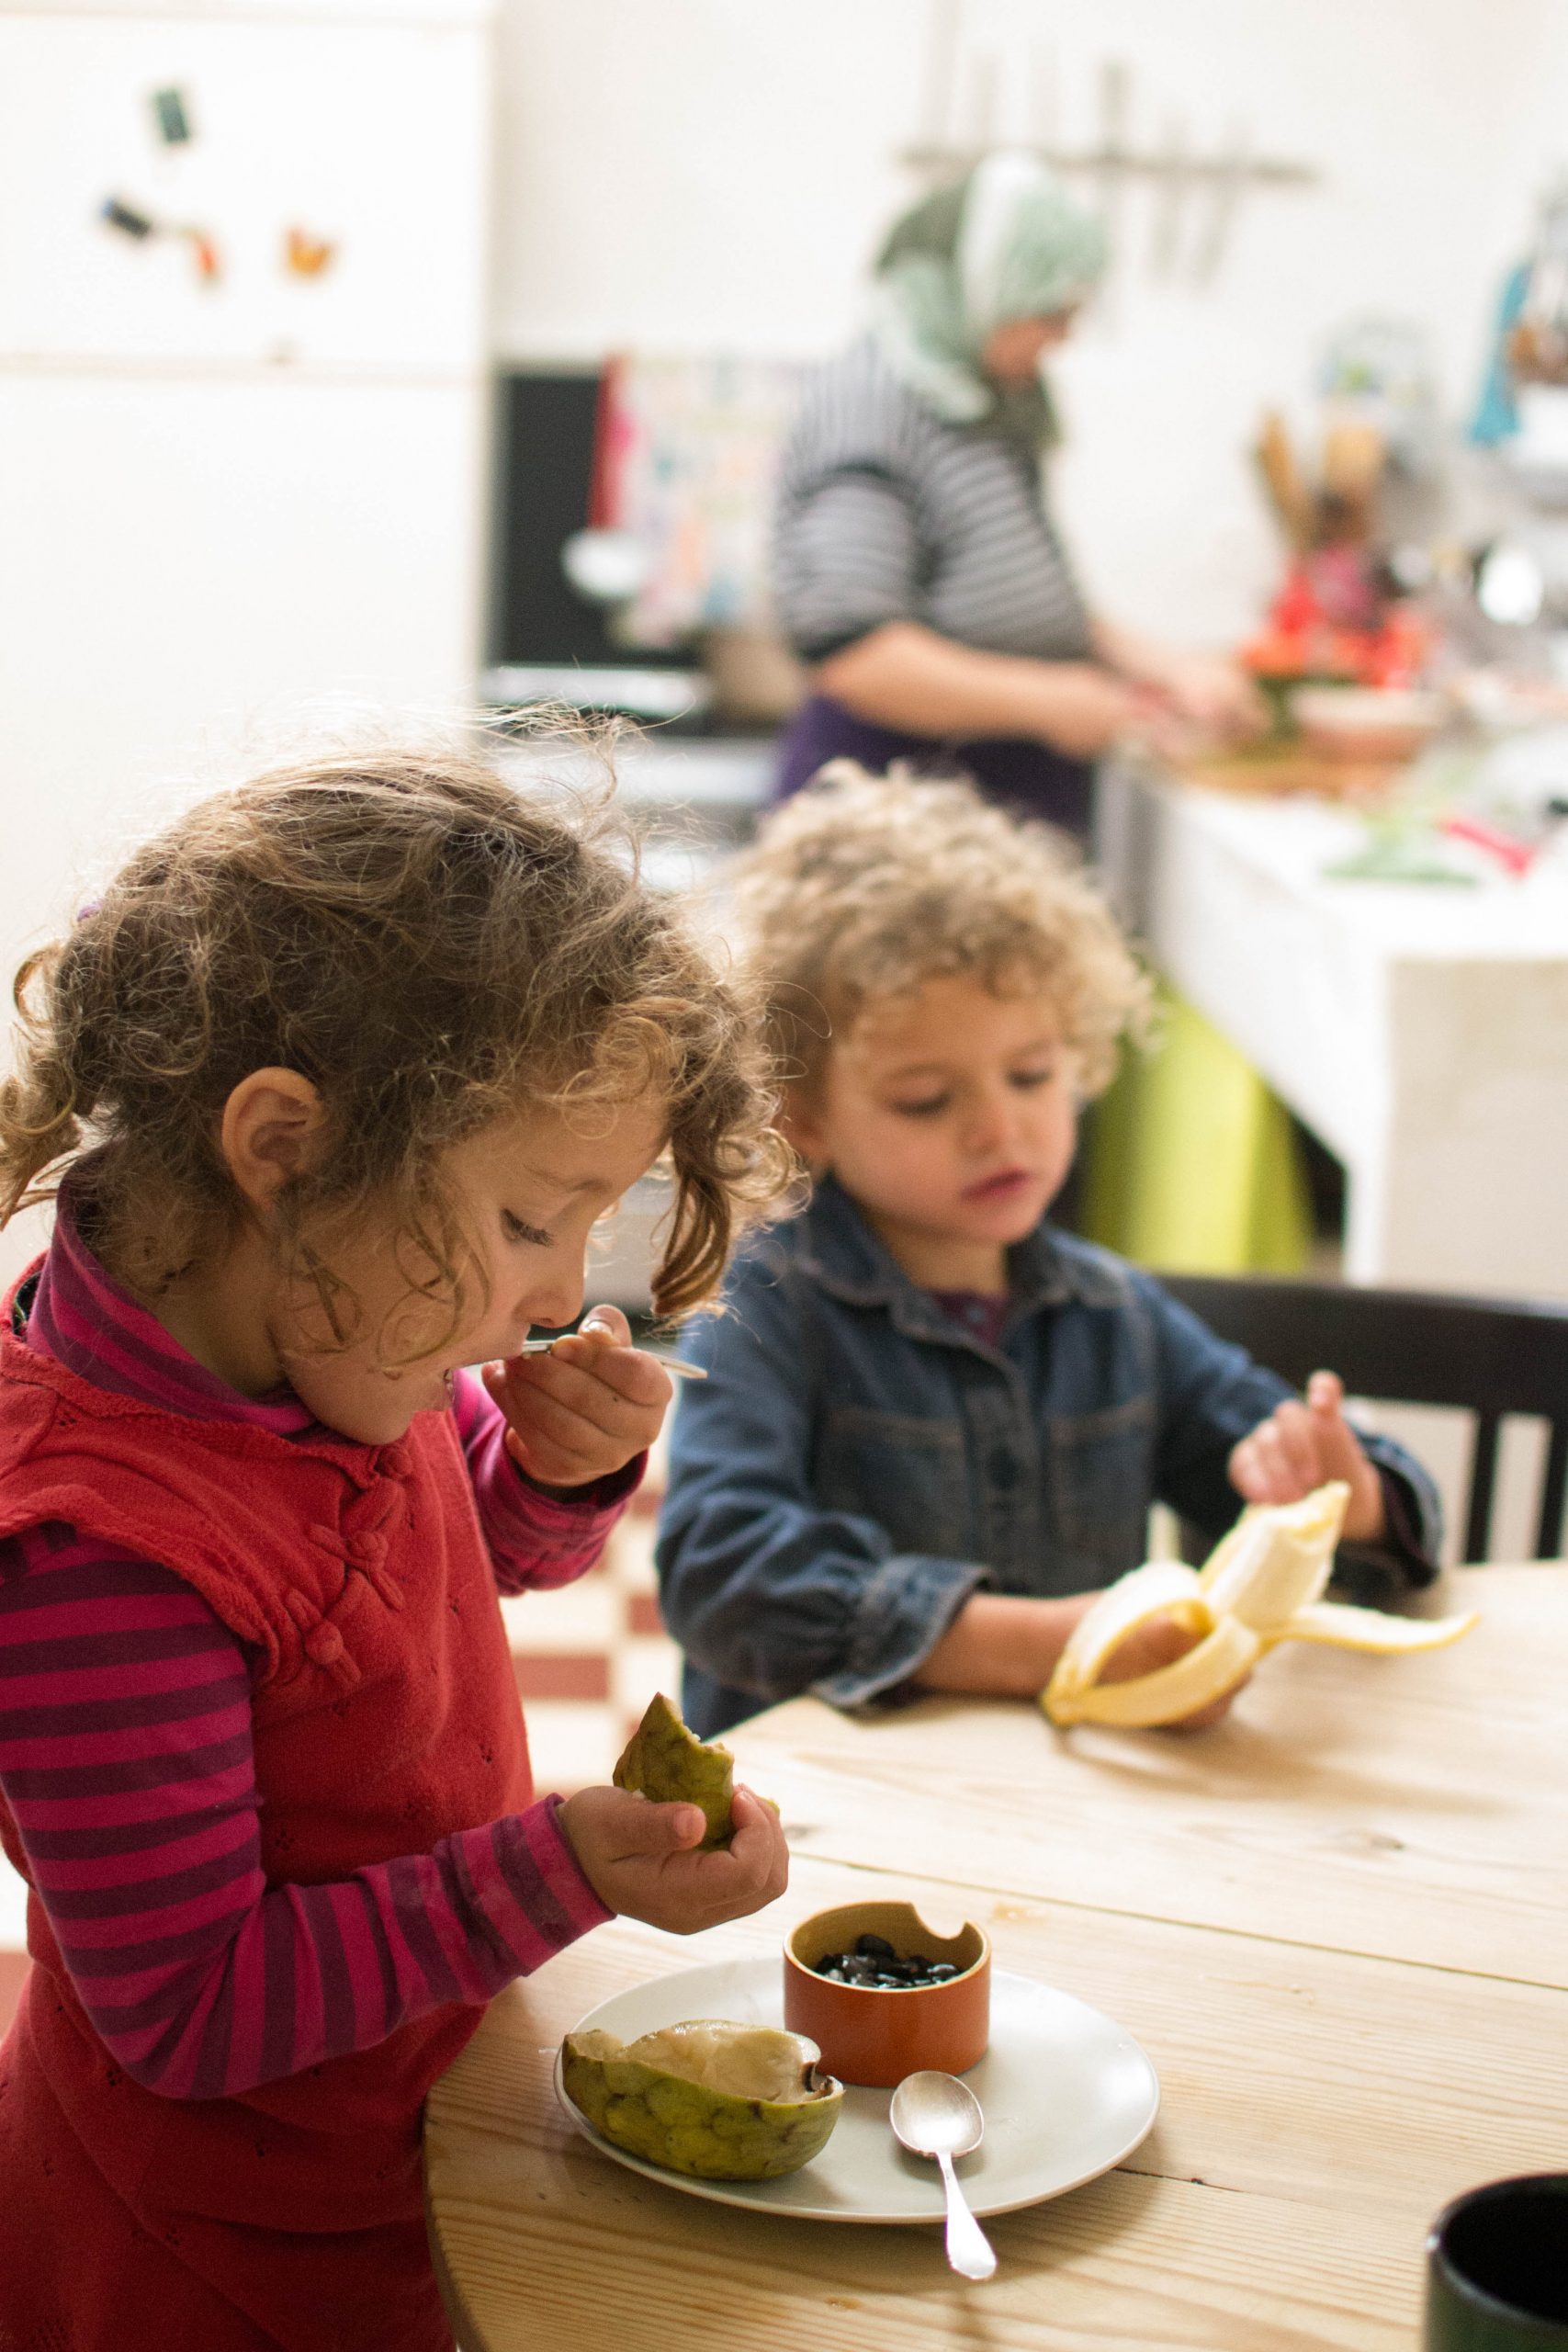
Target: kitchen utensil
[(1282, 477), (1176, 179), (1115, 114), (1353, 457), (677, 1364), (607, 567), (941, 71), (1229, 184), (1510, 586), (1514, 856), (937, 2116)]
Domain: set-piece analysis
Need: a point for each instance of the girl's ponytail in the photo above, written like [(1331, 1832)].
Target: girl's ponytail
[(44, 1104)]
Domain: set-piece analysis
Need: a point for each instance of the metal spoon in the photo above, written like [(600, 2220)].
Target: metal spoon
[(677, 1364), (936, 2115)]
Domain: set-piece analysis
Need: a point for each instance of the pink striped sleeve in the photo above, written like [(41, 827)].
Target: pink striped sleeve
[(537, 1540), (127, 1763)]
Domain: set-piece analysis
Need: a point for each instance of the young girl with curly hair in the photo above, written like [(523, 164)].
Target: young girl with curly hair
[(935, 1422), (334, 1083)]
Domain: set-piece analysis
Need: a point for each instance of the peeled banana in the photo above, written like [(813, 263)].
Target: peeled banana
[(1261, 1585)]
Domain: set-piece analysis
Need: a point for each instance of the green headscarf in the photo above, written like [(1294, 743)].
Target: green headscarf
[(1005, 242)]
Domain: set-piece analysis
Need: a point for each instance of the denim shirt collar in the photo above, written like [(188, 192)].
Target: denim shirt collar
[(844, 1256)]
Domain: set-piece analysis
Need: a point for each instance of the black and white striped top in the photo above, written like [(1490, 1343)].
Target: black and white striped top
[(885, 513)]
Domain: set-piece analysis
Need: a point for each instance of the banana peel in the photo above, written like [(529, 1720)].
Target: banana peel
[(1262, 1585)]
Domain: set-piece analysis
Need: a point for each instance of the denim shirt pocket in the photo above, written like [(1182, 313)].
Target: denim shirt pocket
[(905, 1471), (1101, 1482)]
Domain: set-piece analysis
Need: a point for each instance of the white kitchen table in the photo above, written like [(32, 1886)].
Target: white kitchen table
[(1421, 1031)]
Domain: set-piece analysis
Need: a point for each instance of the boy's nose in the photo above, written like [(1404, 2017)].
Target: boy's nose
[(989, 1124)]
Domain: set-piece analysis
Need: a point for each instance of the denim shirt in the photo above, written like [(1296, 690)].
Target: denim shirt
[(857, 1463)]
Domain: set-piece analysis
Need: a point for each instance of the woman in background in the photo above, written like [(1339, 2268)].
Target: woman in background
[(916, 569)]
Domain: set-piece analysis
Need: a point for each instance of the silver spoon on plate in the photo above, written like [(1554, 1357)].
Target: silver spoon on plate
[(937, 2116)]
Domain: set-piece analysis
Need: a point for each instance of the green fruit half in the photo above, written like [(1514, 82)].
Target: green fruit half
[(716, 2100), (672, 1766)]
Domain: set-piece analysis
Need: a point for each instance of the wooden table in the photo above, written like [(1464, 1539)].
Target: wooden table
[(1338, 1923)]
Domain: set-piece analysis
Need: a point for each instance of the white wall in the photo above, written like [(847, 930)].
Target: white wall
[(224, 508), (709, 173)]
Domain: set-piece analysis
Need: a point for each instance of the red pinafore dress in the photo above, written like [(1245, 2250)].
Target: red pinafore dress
[(386, 1718)]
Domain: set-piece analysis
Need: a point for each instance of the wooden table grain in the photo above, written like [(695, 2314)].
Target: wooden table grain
[(1338, 1923)]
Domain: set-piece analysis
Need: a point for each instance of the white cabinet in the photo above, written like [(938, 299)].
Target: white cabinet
[(222, 505), (1421, 1032), (366, 134)]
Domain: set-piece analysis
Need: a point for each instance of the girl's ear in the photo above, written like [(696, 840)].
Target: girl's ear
[(803, 1127), (273, 1126)]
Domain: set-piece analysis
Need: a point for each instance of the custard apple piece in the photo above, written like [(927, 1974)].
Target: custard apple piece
[(672, 1765), (659, 2097)]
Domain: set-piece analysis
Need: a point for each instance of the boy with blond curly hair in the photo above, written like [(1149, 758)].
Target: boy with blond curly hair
[(935, 1423)]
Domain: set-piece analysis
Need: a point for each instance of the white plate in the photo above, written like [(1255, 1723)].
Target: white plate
[(1065, 2093)]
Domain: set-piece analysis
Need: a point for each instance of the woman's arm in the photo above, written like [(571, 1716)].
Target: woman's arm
[(1206, 690), (905, 675)]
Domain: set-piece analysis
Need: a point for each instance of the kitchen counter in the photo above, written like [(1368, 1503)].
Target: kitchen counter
[(1421, 1032)]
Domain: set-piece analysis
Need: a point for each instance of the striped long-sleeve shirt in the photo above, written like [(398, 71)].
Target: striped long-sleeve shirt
[(887, 512), (127, 1762)]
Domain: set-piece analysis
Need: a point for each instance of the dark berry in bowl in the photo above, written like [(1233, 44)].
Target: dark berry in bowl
[(874, 1963)]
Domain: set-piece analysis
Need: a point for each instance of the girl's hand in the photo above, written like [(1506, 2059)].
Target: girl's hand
[(584, 1411), (1299, 1446), (1160, 1642), (639, 1858)]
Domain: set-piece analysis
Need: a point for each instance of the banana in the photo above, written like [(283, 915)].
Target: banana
[(1261, 1585)]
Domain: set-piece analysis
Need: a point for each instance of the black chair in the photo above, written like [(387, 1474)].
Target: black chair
[(1491, 1357)]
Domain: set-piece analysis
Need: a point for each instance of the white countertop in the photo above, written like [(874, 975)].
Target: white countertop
[(1421, 1029), (1286, 844)]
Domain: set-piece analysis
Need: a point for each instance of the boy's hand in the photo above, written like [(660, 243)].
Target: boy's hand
[(639, 1858), (584, 1411), (1159, 1642), (1300, 1446)]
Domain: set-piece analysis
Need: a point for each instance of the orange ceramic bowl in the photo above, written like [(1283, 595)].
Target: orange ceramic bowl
[(876, 2037)]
